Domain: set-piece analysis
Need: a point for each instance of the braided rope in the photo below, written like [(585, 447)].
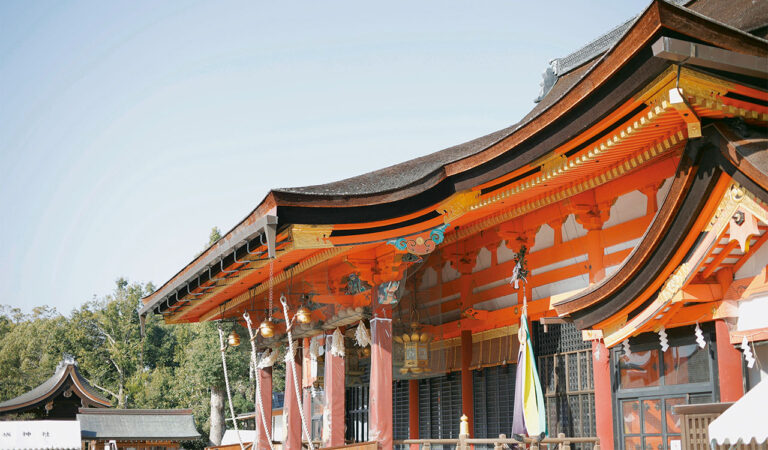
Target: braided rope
[(226, 382), (259, 401), (291, 355)]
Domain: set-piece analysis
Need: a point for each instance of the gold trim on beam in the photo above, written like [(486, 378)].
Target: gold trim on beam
[(311, 236), (671, 288), (457, 205), (652, 152), (281, 277)]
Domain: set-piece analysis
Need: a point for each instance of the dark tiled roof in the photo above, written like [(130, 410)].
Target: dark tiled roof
[(51, 387), (746, 15), (427, 170), (137, 425), (403, 174), (592, 50)]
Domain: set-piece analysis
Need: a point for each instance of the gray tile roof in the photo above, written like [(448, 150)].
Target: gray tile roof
[(52, 387), (427, 169), (142, 424)]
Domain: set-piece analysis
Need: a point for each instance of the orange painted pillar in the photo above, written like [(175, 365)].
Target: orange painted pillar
[(467, 394), (601, 371), (595, 253), (265, 382), (413, 411), (333, 409), (291, 407), (380, 396), (728, 365)]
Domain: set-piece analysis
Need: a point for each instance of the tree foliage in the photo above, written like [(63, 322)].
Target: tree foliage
[(170, 366)]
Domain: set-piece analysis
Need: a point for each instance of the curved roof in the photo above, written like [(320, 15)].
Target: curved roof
[(403, 198), (138, 424), (706, 160), (67, 374)]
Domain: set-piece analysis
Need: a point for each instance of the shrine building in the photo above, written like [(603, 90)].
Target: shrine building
[(627, 210)]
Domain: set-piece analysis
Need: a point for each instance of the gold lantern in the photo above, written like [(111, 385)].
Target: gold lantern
[(416, 351), (267, 328), (303, 315), (233, 340)]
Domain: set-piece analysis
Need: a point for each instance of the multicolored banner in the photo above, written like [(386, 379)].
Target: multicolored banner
[(529, 412)]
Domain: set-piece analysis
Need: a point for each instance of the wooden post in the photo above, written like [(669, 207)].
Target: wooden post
[(463, 432), (333, 409), (467, 400), (728, 365), (380, 397), (464, 265), (499, 445), (413, 411), (265, 380), (601, 372), (292, 404)]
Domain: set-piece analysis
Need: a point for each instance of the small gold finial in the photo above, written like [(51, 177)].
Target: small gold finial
[(464, 426)]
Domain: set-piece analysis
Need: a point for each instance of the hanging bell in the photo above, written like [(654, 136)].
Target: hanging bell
[(303, 315), (267, 328), (233, 340)]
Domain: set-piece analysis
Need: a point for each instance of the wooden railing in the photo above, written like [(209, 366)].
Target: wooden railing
[(464, 442)]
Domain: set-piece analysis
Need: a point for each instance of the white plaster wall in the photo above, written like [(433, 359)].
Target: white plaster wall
[(560, 264), (569, 284), (485, 287), (504, 301), (661, 194), (572, 229), (545, 238), (627, 207), (610, 270), (754, 264), (753, 313), (483, 260), (623, 246), (504, 254), (429, 279), (449, 273)]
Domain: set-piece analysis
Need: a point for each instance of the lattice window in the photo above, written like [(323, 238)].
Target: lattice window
[(440, 407), (400, 412), (565, 368), (494, 397)]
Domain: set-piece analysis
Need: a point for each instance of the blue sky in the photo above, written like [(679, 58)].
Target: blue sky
[(129, 128)]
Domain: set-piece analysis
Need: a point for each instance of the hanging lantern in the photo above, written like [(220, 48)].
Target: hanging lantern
[(267, 328), (416, 346), (233, 340), (303, 315)]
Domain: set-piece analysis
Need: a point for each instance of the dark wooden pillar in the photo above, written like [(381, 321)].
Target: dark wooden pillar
[(413, 411), (467, 393)]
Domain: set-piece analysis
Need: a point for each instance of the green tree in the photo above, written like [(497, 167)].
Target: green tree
[(106, 339)]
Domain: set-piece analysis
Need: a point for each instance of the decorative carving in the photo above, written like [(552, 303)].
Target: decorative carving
[(311, 236), (355, 285), (674, 283), (388, 292), (742, 226), (421, 245)]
